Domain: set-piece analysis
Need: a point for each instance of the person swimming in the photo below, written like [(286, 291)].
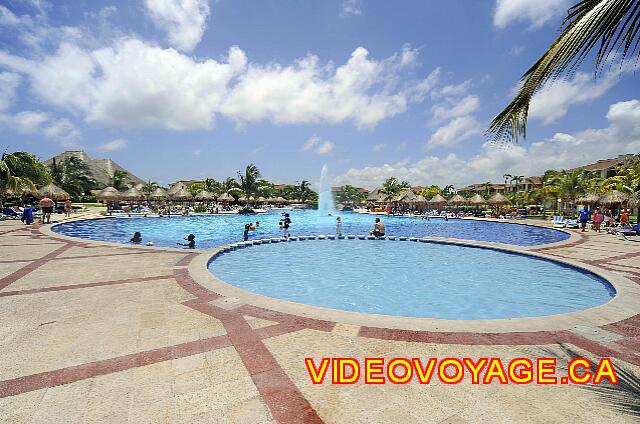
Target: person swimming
[(257, 224), (252, 227), (191, 242), (137, 237), (247, 227)]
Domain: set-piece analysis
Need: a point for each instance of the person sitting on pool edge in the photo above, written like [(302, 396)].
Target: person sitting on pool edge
[(378, 229), (137, 237), (192, 242)]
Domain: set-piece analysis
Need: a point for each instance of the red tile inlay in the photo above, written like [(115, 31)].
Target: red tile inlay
[(16, 275), (83, 286), (72, 374)]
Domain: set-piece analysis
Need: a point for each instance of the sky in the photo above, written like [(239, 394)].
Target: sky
[(189, 89)]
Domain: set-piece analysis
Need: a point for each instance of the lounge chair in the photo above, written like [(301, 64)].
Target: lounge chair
[(559, 222), (633, 231), (572, 223), (10, 213)]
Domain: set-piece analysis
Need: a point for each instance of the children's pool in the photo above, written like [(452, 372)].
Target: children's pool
[(412, 279)]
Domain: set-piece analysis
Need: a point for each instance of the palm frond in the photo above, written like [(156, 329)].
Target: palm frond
[(615, 23)]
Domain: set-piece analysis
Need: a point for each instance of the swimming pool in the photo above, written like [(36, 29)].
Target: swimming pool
[(217, 230), (412, 279)]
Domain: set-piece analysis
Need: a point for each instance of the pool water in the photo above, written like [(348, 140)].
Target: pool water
[(217, 230), (412, 279)]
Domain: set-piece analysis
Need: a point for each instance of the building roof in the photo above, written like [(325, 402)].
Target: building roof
[(603, 164), (340, 188), (101, 169)]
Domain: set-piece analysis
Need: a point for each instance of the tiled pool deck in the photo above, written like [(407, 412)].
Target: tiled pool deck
[(96, 332)]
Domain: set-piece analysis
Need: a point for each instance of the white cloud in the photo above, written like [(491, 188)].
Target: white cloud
[(133, 84), (456, 108), (113, 145), (552, 101), (183, 20), (42, 123), (516, 51), (196, 152), (9, 83), (561, 151), (379, 147), (456, 131), (350, 8), (317, 145), (363, 90), (536, 12)]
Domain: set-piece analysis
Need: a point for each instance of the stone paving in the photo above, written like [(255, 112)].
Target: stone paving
[(102, 333)]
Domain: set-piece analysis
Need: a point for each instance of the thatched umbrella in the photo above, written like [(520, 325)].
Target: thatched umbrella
[(176, 188), (477, 200), (204, 195), (588, 199), (457, 200), (182, 194), (437, 200), (242, 198), (419, 199), (159, 194), (226, 197), (613, 197), (280, 199), (498, 199), (133, 194), (108, 194), (261, 199), (53, 192)]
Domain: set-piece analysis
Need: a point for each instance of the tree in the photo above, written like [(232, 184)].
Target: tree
[(149, 187), (249, 181), (627, 179), (391, 187), (613, 23), (304, 191), (73, 176), (350, 195), (507, 177), (448, 190), (20, 171), (487, 187), (119, 179), (429, 192)]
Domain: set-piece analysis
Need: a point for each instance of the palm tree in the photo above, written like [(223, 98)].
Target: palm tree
[(614, 24), (448, 190), (304, 191), (429, 192), (213, 186), (20, 171), (487, 187), (249, 181), (391, 187), (119, 179), (350, 195), (507, 177), (149, 187), (73, 176)]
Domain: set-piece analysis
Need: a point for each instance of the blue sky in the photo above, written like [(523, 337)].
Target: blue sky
[(194, 88)]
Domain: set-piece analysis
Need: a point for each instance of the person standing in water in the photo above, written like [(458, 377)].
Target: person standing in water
[(137, 237), (247, 227), (338, 226), (191, 239), (286, 223)]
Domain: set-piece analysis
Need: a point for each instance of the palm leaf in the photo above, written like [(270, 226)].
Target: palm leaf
[(615, 23)]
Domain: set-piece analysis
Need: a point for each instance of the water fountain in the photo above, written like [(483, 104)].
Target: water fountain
[(326, 202)]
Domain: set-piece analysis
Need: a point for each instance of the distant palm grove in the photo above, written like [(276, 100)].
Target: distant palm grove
[(21, 174)]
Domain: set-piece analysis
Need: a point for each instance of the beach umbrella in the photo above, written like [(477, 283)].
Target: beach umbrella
[(633, 201), (133, 194), (108, 194), (261, 199), (419, 199), (613, 197), (280, 199), (182, 194), (53, 192), (437, 200), (204, 195), (588, 199), (226, 197), (176, 188), (159, 194), (477, 200), (457, 200), (498, 199)]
